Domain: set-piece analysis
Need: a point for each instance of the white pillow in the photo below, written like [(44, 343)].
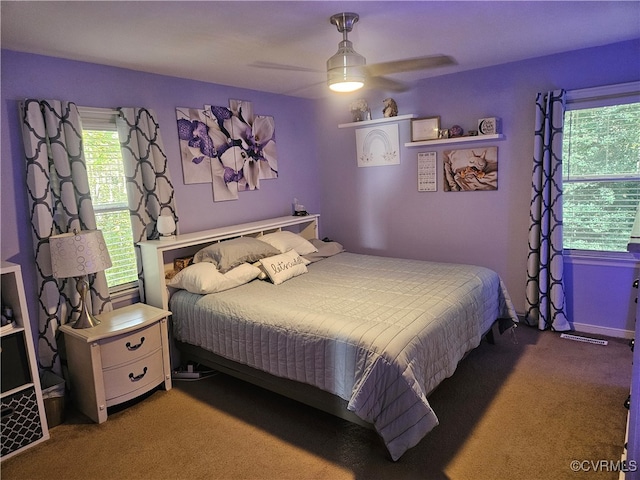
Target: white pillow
[(284, 266), (204, 277), (285, 241)]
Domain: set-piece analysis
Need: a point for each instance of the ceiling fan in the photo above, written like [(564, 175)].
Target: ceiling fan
[(347, 70)]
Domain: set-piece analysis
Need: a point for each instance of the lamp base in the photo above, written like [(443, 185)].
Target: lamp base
[(86, 319)]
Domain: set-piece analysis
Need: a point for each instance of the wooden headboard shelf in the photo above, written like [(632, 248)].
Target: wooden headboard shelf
[(158, 254)]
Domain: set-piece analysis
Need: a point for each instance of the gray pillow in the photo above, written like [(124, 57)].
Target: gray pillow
[(231, 253), (325, 249)]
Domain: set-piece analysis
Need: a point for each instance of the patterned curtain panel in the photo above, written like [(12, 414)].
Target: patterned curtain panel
[(545, 287), (149, 188), (59, 202)]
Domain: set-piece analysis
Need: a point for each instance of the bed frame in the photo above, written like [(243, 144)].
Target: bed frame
[(158, 255), (157, 260)]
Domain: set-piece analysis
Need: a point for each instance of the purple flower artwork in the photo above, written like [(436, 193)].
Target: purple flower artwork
[(196, 146), (229, 147), (249, 153)]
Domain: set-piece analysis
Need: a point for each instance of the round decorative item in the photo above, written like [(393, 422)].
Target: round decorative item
[(456, 131)]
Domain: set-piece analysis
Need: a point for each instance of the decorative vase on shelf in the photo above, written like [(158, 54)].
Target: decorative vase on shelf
[(360, 110), (361, 115)]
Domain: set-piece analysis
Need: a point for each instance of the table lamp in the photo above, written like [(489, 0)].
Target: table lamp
[(77, 255)]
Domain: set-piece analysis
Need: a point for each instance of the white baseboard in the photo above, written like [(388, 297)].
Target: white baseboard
[(596, 330), (606, 331)]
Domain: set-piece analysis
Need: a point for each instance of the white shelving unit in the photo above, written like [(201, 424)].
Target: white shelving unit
[(440, 141), (24, 422), (450, 141), (376, 121)]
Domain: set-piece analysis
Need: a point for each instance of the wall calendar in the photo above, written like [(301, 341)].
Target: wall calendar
[(427, 172)]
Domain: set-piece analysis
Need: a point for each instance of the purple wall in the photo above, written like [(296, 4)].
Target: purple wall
[(91, 85), (375, 210), (379, 210)]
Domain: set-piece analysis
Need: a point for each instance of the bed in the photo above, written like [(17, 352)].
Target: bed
[(364, 337)]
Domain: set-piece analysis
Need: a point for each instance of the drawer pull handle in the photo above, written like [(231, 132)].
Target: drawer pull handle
[(135, 378), (134, 347)]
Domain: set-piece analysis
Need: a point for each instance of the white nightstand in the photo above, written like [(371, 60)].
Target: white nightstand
[(124, 356)]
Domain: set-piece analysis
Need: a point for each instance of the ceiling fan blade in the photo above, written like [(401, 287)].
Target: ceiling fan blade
[(303, 88), (409, 64), (384, 83), (280, 66)]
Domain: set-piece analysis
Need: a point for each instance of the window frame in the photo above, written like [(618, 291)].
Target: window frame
[(602, 96), (93, 118)]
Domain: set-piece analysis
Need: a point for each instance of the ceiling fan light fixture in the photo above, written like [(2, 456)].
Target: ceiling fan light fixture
[(345, 72), (346, 87), (346, 69)]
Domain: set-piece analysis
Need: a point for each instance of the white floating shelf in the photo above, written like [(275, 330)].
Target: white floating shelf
[(444, 141), (364, 123)]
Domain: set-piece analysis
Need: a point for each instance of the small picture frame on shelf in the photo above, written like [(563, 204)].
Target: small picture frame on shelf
[(489, 126), (425, 129)]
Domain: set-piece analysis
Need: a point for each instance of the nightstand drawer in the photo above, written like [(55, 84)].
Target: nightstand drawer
[(125, 379), (126, 348)]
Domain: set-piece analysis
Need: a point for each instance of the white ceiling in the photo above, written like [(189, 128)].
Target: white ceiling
[(218, 41)]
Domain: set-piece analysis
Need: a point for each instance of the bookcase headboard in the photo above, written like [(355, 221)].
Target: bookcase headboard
[(158, 255)]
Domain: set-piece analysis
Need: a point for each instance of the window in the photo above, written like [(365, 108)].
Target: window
[(601, 168), (105, 170)]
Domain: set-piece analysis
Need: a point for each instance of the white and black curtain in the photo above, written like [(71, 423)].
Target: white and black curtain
[(59, 202), (545, 294), (149, 189)]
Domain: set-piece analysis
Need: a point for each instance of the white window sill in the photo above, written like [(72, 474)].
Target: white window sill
[(124, 295), (609, 259)]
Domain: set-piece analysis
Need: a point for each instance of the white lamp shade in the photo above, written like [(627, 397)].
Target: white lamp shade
[(78, 254), (634, 239), (345, 70), (166, 225)]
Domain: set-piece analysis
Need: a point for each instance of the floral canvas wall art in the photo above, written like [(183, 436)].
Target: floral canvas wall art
[(196, 146), (227, 166), (235, 147), (255, 135)]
